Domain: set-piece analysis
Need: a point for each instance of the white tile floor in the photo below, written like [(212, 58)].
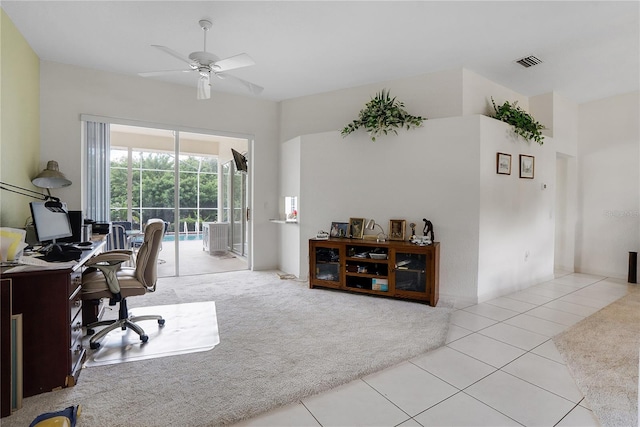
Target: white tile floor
[(499, 367)]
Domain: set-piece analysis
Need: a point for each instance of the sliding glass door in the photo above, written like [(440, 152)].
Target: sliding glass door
[(142, 183), (179, 177), (235, 206)]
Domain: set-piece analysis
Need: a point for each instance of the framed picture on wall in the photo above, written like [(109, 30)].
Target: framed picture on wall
[(357, 227), (527, 166), (503, 164), (397, 229)]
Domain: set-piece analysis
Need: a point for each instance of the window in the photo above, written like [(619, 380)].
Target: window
[(291, 208), (143, 187)]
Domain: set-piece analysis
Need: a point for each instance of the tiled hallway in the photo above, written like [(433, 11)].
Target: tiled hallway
[(499, 367)]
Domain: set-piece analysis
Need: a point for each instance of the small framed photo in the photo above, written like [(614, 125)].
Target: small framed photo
[(339, 229), (503, 164), (397, 229), (356, 226), (527, 166)]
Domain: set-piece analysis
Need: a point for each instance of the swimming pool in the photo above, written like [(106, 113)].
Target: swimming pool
[(171, 237)]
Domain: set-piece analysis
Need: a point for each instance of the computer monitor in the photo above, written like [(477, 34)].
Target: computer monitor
[(50, 225)]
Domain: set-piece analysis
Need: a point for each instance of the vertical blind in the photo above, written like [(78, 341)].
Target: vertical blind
[(98, 161)]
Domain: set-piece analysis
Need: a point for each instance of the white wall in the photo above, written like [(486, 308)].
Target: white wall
[(289, 242), (437, 173), (431, 172), (609, 191), (516, 214), (434, 95), (542, 108), (477, 92), (560, 118), (565, 125), (448, 93), (68, 91), (445, 172), (565, 212)]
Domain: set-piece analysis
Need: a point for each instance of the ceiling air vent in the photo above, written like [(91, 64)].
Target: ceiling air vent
[(528, 61)]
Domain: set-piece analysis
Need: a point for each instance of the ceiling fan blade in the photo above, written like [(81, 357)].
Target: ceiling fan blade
[(233, 62), (162, 73), (253, 88), (174, 54)]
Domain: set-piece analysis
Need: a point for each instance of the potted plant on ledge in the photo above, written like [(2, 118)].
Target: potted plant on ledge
[(381, 115), (523, 123)]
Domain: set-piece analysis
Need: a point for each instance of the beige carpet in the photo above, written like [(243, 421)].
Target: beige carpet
[(601, 353), (279, 342)]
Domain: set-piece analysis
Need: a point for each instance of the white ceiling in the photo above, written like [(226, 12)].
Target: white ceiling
[(590, 49)]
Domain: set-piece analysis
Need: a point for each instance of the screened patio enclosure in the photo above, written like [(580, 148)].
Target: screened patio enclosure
[(185, 179)]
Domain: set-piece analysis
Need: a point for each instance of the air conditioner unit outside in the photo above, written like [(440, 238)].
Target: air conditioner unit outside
[(215, 237)]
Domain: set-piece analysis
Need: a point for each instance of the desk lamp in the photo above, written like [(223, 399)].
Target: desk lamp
[(51, 177), (51, 203), (371, 224)]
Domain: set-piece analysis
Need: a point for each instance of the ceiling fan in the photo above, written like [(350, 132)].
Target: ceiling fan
[(206, 63)]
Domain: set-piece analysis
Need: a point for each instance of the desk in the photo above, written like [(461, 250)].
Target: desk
[(50, 304)]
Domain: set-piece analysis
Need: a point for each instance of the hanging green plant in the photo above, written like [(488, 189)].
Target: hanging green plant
[(381, 115), (522, 122)]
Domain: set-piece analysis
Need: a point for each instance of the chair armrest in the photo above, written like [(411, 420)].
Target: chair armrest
[(109, 263), (111, 257)]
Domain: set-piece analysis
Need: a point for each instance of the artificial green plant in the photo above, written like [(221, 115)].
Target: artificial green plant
[(381, 115), (523, 123)]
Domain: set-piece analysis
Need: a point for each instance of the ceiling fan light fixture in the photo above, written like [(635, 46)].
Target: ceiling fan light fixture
[(204, 86)]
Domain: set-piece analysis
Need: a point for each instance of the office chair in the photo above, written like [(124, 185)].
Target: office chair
[(107, 278)]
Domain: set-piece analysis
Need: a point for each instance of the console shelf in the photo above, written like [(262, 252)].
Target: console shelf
[(394, 269)]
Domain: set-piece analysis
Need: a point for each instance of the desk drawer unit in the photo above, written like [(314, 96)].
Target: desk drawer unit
[(75, 302), (50, 305), (75, 310)]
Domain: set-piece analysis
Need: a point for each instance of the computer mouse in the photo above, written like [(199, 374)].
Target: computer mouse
[(84, 244)]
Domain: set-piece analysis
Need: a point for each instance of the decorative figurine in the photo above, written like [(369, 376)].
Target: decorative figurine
[(413, 230), (428, 231)]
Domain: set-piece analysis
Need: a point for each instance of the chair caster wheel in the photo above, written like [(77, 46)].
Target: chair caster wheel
[(90, 331), (161, 322), (94, 345), (144, 338)]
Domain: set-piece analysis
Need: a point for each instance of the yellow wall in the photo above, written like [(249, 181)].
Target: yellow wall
[(19, 121)]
